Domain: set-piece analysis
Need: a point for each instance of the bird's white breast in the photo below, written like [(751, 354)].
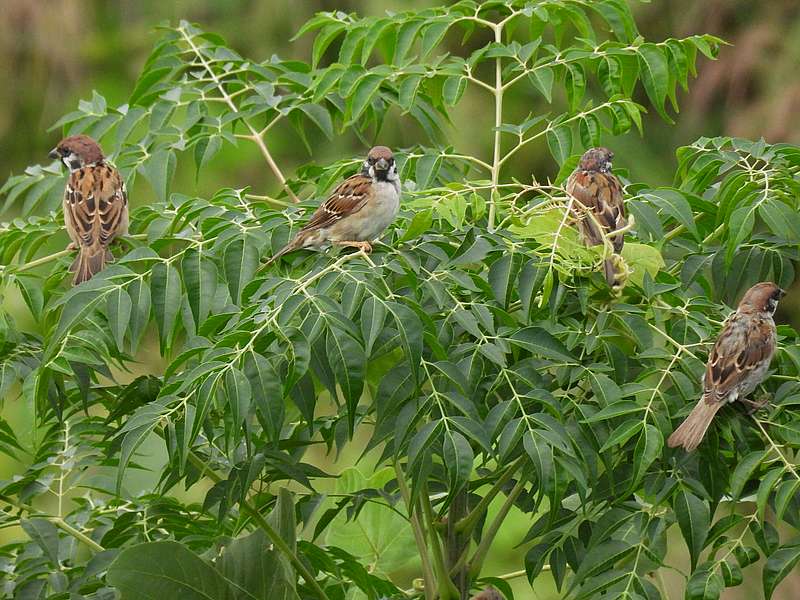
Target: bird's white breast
[(386, 206)]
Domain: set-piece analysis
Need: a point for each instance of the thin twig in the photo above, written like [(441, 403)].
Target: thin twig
[(254, 134), (58, 522)]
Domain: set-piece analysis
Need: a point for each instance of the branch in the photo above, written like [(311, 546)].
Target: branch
[(56, 255), (469, 521), (447, 590), (58, 522), (254, 135), (476, 562)]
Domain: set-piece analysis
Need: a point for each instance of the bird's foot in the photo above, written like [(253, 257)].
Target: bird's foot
[(754, 406), (365, 247), (72, 246)]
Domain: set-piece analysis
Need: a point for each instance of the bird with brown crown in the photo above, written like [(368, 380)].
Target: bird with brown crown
[(357, 211), (602, 211), (738, 362), (95, 204)]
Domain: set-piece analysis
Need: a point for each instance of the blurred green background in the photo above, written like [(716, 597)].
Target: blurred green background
[(55, 52)]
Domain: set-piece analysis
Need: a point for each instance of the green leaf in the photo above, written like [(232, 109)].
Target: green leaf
[(744, 471), (379, 535), (237, 389), (648, 448), (362, 95), (241, 262), (118, 309), (140, 312), (165, 569), (373, 316), (694, 519), (458, 458), (347, 361), (419, 224), (256, 570), (200, 279), (501, 278), (559, 140), (320, 117), (622, 434), (158, 169), (542, 79), (166, 294), (45, 535), (539, 342), (655, 76), (624, 407), (704, 584), (779, 564), (265, 385), (765, 488)]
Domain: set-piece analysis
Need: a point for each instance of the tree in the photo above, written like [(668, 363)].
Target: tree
[(479, 347)]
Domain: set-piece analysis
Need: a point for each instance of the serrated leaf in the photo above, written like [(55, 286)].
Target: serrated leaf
[(118, 310), (693, 518), (165, 287)]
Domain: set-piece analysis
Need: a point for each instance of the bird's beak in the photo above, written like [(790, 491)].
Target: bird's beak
[(781, 293), (382, 164), (53, 153)]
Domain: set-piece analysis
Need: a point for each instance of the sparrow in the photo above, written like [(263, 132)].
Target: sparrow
[(95, 204), (599, 191), (489, 593), (737, 364), (357, 211)]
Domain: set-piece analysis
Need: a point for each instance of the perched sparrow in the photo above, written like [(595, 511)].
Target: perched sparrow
[(488, 594), (738, 362), (357, 211), (95, 204), (598, 190)]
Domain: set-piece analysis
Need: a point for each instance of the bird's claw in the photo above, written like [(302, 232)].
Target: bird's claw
[(756, 405), (365, 247)]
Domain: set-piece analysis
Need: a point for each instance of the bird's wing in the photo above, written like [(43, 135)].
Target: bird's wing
[(95, 203), (602, 193), (744, 344), (348, 198)]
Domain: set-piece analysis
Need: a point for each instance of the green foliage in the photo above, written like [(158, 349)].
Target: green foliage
[(478, 349)]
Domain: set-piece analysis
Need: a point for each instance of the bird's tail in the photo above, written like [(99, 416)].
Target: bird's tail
[(691, 432), (616, 272), (297, 242), (89, 262)]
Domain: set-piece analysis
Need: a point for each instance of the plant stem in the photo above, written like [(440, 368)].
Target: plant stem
[(58, 522), (273, 535), (498, 121), (476, 562), (447, 590), (268, 200), (254, 135), (419, 534), (469, 521), (56, 255)]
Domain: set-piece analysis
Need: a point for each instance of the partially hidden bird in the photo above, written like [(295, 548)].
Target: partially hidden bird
[(489, 593), (95, 204), (738, 362), (598, 190), (357, 211)]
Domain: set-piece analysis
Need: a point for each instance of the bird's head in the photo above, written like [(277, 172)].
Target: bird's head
[(380, 164), (763, 297), (77, 151), (596, 159)]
